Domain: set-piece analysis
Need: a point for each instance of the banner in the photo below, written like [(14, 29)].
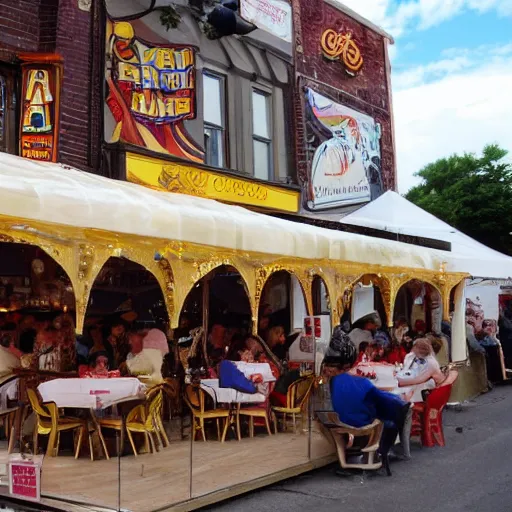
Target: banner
[(273, 16), (346, 166)]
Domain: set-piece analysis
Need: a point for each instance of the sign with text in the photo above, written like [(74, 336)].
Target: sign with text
[(39, 124), (25, 477), (185, 179), (346, 164), (273, 16)]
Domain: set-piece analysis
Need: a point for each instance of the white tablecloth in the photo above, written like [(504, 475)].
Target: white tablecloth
[(229, 395), (82, 393), (249, 369), (386, 380)]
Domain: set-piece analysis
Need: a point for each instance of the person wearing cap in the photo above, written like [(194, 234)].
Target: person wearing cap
[(364, 328), (355, 399)]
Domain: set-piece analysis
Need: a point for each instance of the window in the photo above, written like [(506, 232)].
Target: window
[(214, 119), (261, 135)]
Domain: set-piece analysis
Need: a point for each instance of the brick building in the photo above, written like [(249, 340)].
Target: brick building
[(60, 54), (51, 33), (352, 103)]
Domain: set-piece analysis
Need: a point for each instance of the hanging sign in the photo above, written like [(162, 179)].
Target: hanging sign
[(274, 16), (39, 123), (338, 46)]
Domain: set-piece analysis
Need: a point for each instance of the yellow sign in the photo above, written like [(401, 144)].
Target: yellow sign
[(185, 179), (337, 46)]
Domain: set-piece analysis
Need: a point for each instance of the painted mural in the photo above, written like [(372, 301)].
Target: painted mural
[(39, 114), (346, 165), (151, 93)]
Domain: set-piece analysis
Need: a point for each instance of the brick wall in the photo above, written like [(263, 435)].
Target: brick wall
[(73, 43), (57, 26), (367, 92)]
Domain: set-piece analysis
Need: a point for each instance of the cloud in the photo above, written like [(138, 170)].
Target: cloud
[(398, 18), (454, 60), (458, 112)]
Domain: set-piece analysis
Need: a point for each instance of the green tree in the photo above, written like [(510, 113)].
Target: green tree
[(472, 194)]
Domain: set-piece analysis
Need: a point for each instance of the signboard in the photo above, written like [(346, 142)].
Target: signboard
[(273, 16), (39, 123), (183, 179), (339, 46), (151, 92), (25, 477), (346, 165)]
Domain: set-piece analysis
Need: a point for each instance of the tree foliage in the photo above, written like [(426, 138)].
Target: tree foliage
[(472, 194)]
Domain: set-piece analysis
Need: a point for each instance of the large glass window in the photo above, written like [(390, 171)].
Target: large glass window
[(214, 119), (261, 134)]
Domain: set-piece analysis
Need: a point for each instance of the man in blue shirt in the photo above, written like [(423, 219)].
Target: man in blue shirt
[(357, 401)]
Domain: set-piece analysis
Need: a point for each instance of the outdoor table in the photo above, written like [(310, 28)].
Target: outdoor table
[(233, 398), (386, 377), (92, 395)]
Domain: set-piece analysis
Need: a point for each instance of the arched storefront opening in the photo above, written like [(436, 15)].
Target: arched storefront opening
[(419, 304), (282, 318), (125, 297), (367, 299), (37, 308), (219, 304)]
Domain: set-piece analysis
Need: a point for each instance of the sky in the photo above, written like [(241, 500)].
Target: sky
[(451, 75)]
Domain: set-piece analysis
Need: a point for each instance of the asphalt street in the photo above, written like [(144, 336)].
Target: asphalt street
[(472, 473)]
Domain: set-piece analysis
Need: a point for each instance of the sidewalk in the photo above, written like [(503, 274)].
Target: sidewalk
[(472, 473)]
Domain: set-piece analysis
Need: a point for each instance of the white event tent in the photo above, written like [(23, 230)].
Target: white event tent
[(393, 213)]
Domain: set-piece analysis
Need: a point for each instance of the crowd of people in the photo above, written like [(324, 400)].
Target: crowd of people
[(112, 348)]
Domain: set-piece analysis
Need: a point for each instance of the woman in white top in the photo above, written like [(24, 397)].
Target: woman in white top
[(421, 369), (150, 359)]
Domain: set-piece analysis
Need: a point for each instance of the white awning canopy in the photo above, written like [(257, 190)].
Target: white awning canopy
[(392, 212), (58, 194)]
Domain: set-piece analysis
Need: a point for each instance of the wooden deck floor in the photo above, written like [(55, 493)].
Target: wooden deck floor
[(155, 481)]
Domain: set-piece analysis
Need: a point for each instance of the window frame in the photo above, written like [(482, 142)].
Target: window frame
[(222, 79), (267, 93)]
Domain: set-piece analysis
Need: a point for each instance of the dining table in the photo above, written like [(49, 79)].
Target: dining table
[(94, 396), (233, 398)]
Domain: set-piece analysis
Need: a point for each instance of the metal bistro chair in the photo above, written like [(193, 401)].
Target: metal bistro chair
[(143, 419), (50, 424), (195, 400), (296, 401)]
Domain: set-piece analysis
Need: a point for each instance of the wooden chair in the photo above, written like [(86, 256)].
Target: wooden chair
[(344, 435), (255, 412), (49, 423), (143, 419), (195, 400), (427, 421), (296, 401), (8, 418)]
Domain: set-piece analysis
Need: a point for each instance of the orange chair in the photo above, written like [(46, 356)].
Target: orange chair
[(427, 420)]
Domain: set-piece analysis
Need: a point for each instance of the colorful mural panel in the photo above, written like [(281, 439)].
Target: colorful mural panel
[(346, 166), (39, 112), (151, 92)]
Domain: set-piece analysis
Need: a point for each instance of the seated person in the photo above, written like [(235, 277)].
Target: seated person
[(364, 355), (421, 369), (364, 328), (277, 342), (216, 346), (377, 353), (259, 355), (149, 360), (357, 401), (396, 354), (98, 367)]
